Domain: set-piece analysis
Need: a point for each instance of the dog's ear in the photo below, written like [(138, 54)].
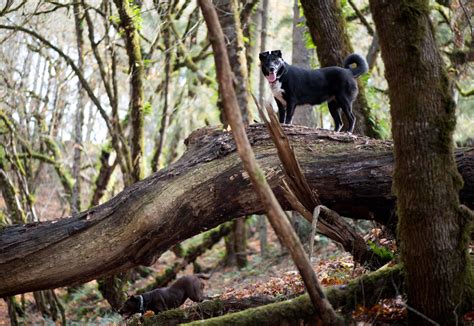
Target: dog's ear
[(277, 52), (263, 55)]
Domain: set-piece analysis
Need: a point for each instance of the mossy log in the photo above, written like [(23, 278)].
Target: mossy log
[(205, 188), (366, 290), (205, 310)]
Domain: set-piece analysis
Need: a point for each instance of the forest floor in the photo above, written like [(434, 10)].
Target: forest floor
[(275, 275)]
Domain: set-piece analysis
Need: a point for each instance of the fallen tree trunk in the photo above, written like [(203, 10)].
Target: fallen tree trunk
[(205, 310), (366, 290), (205, 188)]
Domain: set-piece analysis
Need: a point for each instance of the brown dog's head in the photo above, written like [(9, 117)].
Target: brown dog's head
[(133, 305)]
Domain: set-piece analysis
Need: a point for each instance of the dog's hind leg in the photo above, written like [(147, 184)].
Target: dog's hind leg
[(346, 106), (281, 111), (336, 115), (290, 110)]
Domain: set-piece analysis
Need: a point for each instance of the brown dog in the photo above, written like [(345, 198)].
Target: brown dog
[(162, 299)]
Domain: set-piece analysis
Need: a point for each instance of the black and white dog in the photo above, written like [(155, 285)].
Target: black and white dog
[(292, 86)]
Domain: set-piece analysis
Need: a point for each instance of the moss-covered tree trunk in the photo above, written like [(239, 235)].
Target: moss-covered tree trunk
[(137, 77), (433, 226), (326, 25)]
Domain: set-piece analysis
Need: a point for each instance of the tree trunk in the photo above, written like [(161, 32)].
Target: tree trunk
[(160, 140), (240, 242), (137, 77), (263, 46), (304, 114), (434, 229), (112, 287), (103, 177), (203, 189), (79, 118), (229, 18), (263, 12), (326, 24), (262, 234)]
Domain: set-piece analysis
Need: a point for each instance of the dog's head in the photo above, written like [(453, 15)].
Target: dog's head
[(130, 307), (271, 62)]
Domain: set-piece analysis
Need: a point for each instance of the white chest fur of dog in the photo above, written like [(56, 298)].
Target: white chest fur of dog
[(278, 92)]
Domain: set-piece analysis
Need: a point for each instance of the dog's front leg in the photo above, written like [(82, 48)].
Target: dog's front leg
[(290, 110), (281, 111)]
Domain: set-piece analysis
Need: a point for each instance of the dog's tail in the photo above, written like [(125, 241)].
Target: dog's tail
[(361, 68)]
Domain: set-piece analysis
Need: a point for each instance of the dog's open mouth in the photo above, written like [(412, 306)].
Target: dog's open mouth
[(271, 77)]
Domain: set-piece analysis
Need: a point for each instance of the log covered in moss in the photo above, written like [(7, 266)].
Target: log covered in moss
[(365, 290)]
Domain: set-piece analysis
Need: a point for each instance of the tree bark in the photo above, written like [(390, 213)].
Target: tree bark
[(203, 189), (434, 228), (326, 25)]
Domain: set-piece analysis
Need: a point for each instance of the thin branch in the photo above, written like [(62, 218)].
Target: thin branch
[(188, 60), (361, 16), (73, 66), (247, 11)]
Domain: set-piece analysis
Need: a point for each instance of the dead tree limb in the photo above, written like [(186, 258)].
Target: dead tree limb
[(203, 189)]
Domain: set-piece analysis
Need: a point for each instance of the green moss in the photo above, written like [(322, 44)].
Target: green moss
[(260, 176), (206, 309), (380, 251), (367, 289), (293, 309), (3, 220)]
